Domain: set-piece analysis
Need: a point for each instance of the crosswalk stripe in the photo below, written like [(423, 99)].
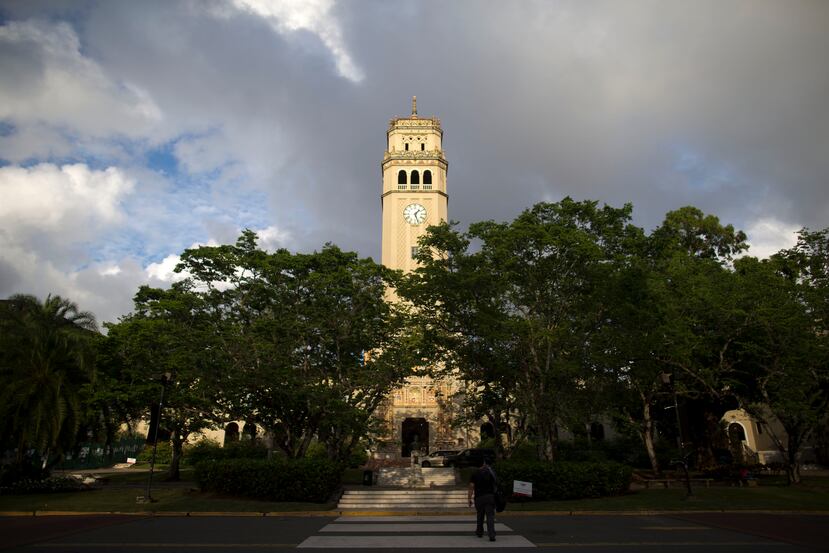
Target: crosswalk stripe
[(409, 527), (413, 542), (413, 532)]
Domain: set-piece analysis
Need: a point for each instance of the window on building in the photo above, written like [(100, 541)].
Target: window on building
[(415, 178), (422, 147), (427, 179), (401, 180), (406, 146), (596, 431), (415, 249)]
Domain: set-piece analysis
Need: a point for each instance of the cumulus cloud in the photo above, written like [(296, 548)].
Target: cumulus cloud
[(768, 236), (72, 200), (164, 270), (47, 80), (272, 238), (48, 214)]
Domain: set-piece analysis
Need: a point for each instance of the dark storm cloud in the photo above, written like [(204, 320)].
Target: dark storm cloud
[(605, 101), (717, 104), (721, 105)]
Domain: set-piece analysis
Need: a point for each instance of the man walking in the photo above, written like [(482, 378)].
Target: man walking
[(482, 485)]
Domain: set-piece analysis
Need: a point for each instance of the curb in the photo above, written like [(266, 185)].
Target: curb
[(186, 514)]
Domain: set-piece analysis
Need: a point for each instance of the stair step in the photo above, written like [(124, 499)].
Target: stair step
[(431, 499), (416, 477), (406, 492)]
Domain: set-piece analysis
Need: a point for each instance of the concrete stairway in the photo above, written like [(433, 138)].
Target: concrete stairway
[(416, 477), (389, 500)]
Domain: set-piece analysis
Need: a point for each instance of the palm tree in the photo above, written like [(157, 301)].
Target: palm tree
[(46, 358)]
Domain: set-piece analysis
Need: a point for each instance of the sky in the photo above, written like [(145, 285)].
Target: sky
[(132, 130)]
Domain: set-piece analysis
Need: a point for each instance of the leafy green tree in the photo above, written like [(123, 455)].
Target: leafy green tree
[(782, 365), (656, 301), (169, 333), (313, 347), (46, 359), (513, 317)]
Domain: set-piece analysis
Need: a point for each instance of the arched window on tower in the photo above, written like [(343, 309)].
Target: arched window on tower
[(401, 180), (415, 179), (427, 179)]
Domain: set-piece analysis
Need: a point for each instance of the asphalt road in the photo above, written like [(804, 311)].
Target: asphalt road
[(699, 532)]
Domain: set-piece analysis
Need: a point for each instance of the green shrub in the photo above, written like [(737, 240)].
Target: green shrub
[(316, 450), (209, 450), (163, 454), (53, 484), (28, 470), (525, 451), (625, 449), (358, 456), (581, 451), (565, 480), (277, 480)]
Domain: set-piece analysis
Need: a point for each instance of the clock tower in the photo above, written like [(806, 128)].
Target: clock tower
[(414, 186), (418, 415)]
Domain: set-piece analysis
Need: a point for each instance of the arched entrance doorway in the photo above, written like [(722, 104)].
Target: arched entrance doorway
[(415, 436), (736, 441), (231, 433), (487, 431)]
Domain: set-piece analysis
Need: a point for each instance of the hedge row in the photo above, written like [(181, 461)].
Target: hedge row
[(565, 480), (278, 480), (207, 450)]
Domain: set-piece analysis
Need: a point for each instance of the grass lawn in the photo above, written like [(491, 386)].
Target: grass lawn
[(811, 495), (159, 475), (168, 499)]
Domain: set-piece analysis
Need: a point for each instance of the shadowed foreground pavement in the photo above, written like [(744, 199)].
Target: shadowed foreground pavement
[(802, 529), (696, 532)]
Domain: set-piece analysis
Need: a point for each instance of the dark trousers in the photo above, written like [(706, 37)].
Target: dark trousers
[(485, 505)]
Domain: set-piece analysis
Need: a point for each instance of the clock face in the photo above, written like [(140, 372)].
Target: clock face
[(414, 214)]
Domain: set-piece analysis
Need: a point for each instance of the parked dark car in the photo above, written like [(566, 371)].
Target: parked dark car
[(470, 458)]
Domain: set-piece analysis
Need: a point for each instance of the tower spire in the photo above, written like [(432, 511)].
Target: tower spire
[(414, 105)]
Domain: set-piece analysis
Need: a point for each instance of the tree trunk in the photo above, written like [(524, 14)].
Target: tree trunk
[(647, 436), (174, 473), (548, 435), (793, 460), (495, 421)]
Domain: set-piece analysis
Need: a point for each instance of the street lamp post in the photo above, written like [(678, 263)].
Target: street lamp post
[(683, 458), (164, 380)]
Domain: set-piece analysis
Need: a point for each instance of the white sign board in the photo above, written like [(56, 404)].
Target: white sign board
[(522, 488), (130, 460)]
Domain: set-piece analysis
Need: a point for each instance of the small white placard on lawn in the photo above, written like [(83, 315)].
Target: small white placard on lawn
[(130, 460), (522, 488)]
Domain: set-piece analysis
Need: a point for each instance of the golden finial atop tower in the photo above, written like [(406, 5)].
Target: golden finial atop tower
[(414, 106)]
